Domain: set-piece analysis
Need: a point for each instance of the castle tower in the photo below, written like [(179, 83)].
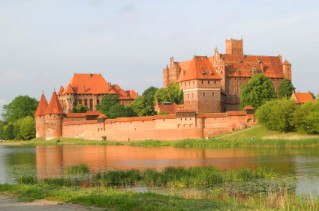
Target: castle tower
[(40, 117), (165, 77), (286, 67), (53, 118), (235, 47), (201, 86), (219, 66), (68, 99)]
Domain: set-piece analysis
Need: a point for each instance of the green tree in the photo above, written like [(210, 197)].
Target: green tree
[(80, 109), (111, 107), (2, 126), (172, 93), (8, 132), (19, 107), (285, 89), (26, 128), (106, 103), (144, 105), (306, 117), (277, 115), (257, 91), (119, 110)]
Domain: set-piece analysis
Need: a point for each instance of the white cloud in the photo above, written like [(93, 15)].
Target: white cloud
[(10, 77)]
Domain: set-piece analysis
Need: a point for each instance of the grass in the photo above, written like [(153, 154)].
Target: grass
[(198, 188), (257, 136), (77, 169)]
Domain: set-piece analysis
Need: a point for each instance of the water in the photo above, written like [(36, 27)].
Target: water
[(45, 162)]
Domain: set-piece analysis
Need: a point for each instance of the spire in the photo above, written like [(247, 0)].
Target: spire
[(42, 106), (61, 90), (54, 106)]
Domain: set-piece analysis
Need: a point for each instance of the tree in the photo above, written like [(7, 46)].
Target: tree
[(19, 107), (285, 89), (120, 110), (2, 126), (144, 105), (80, 109), (25, 128), (172, 93), (306, 117), (8, 132), (106, 103), (257, 91), (111, 107), (277, 115)]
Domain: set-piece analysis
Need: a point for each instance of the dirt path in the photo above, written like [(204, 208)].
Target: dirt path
[(12, 204)]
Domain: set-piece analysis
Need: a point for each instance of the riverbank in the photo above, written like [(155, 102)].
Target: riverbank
[(203, 188), (257, 136)]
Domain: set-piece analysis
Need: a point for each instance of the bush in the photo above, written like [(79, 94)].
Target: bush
[(306, 118), (25, 128), (277, 115)]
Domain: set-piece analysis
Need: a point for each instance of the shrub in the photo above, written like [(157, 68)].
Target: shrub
[(306, 117), (277, 115), (78, 169)]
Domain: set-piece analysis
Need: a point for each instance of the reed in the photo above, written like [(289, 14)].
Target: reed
[(77, 169)]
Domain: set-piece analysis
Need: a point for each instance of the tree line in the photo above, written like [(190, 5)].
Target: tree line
[(277, 111)]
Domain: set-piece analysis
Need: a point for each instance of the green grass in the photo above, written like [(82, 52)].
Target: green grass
[(77, 169), (199, 188)]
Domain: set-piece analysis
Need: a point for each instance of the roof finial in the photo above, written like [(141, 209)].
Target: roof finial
[(54, 88)]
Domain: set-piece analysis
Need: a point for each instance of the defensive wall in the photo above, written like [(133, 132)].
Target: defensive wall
[(182, 125)]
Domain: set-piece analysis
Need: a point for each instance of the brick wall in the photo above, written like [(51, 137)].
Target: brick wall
[(167, 127)]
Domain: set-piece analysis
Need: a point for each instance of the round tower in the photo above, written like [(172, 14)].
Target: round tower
[(40, 125), (54, 118)]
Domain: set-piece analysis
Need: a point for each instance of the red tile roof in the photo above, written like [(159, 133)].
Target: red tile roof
[(90, 84), (300, 97), (199, 68), (54, 106), (68, 90), (42, 106), (61, 90), (121, 94), (245, 65), (132, 94), (75, 115)]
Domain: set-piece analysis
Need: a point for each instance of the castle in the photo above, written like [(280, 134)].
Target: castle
[(88, 90), (211, 88), (212, 84)]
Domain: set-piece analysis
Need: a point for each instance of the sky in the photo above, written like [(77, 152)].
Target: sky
[(44, 42)]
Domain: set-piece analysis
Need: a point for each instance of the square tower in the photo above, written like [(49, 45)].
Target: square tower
[(235, 47)]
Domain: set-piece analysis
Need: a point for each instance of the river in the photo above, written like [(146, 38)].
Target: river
[(49, 161)]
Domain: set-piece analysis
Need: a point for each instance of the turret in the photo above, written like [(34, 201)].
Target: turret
[(54, 118), (286, 67), (40, 117)]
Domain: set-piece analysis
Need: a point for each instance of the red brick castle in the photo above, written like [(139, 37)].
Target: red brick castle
[(212, 84), (211, 87)]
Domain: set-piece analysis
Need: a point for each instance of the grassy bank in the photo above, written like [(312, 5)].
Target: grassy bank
[(202, 188), (256, 136)]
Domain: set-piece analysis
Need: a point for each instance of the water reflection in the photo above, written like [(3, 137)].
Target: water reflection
[(47, 162)]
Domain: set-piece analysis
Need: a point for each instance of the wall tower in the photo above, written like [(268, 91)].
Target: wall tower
[(54, 118), (40, 117)]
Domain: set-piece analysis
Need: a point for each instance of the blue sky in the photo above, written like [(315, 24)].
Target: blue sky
[(42, 42)]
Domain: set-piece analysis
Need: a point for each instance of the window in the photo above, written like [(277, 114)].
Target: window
[(204, 94)]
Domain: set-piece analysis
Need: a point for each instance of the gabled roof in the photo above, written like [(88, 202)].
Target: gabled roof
[(132, 94), (90, 84), (121, 94), (61, 90), (54, 106), (68, 90), (199, 68), (245, 65), (42, 106), (302, 97)]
